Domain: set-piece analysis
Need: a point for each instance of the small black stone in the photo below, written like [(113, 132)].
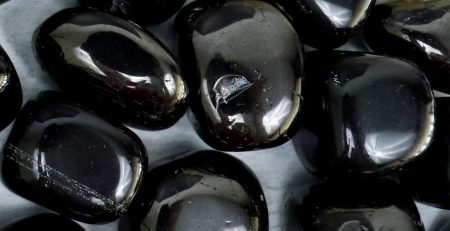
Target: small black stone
[(69, 160), (245, 62), (114, 66), (204, 191), (364, 114), (368, 206), (10, 91), (144, 11), (45, 222)]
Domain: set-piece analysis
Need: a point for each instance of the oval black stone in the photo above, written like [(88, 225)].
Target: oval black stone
[(368, 206), (428, 178), (69, 160), (45, 222), (204, 191), (10, 91), (415, 30), (114, 66), (328, 24), (245, 62), (364, 114), (145, 11)]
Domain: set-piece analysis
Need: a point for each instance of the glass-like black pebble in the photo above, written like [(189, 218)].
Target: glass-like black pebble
[(328, 23), (359, 206), (364, 114), (415, 30), (114, 66), (10, 91), (204, 191), (69, 160), (245, 62), (144, 11), (45, 222), (428, 178)]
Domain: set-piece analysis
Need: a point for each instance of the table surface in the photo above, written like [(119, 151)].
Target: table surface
[(279, 170)]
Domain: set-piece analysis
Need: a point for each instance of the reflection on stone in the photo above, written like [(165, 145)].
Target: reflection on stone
[(10, 91), (328, 23)]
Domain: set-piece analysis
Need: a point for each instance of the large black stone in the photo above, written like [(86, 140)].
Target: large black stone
[(364, 114), (10, 91), (69, 160), (245, 63), (114, 66), (415, 30), (359, 206), (145, 11), (45, 222), (205, 191), (328, 23), (428, 177)]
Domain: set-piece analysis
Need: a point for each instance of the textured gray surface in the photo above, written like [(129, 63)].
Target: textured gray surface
[(279, 170)]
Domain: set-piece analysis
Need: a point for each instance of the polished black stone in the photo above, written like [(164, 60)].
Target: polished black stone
[(10, 91), (245, 64), (359, 206), (47, 222), (327, 23), (415, 30), (69, 160), (145, 11), (204, 191), (364, 114), (428, 178), (114, 66)]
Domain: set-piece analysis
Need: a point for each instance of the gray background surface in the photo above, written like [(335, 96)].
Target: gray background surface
[(279, 170)]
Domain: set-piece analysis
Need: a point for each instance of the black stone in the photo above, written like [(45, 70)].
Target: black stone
[(10, 91), (204, 191), (364, 114), (45, 222), (114, 66), (69, 160), (428, 178), (328, 23), (145, 11), (245, 63), (368, 206), (415, 30)]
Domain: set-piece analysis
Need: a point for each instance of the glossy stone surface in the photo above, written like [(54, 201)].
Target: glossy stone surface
[(69, 160), (364, 114), (416, 30), (351, 206), (205, 191), (45, 222), (114, 66), (245, 63), (428, 178), (145, 11), (328, 23), (10, 91)]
